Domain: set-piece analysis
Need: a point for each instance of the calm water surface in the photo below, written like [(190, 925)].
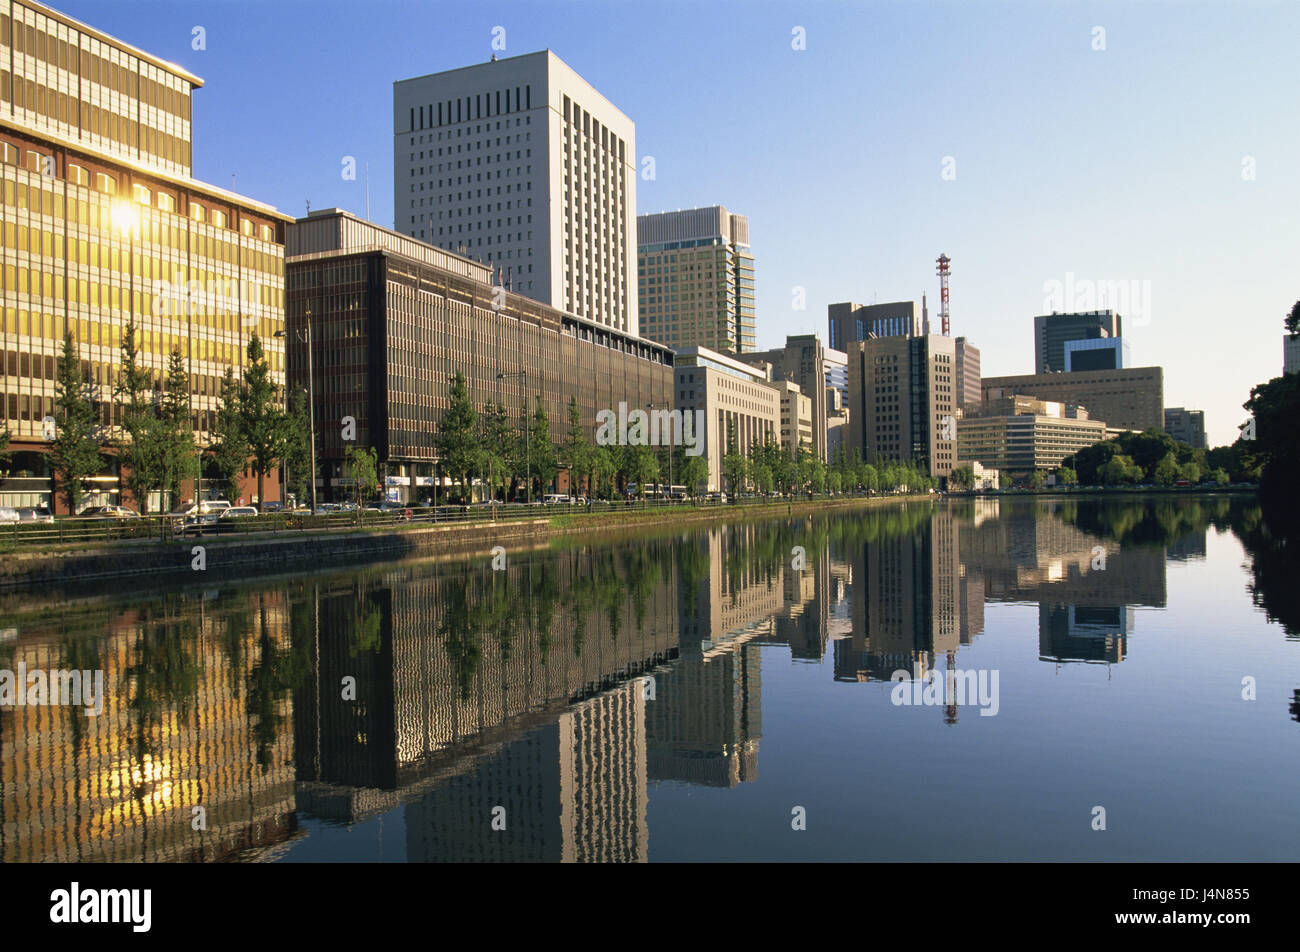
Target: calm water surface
[(723, 693)]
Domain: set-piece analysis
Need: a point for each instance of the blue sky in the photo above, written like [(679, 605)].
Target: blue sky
[(1122, 164)]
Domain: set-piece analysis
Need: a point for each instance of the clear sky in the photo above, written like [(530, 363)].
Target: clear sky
[(1168, 161)]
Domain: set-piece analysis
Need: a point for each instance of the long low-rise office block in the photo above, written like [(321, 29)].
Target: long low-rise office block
[(391, 320), (1130, 398), (1018, 435)]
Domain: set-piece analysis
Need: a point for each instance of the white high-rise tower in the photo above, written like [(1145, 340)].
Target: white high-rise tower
[(521, 164)]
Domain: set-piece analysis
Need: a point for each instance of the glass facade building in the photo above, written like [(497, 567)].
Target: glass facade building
[(103, 226)]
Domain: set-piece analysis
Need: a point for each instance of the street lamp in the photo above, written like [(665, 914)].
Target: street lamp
[(311, 402), (528, 432)]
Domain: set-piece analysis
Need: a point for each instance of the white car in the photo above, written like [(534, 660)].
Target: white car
[(8, 515), (237, 512)]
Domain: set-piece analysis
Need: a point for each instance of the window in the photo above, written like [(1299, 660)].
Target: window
[(196, 211), (166, 202), (141, 194), (219, 218), (106, 183)]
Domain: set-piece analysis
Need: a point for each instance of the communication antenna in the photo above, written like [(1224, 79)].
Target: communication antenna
[(943, 292)]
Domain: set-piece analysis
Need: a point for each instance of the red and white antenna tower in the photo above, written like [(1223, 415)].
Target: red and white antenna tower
[(943, 292)]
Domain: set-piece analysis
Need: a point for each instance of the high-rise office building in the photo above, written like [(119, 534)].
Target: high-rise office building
[(103, 226), (850, 322), (520, 164), (968, 373), (1291, 354), (902, 401), (695, 275), (1186, 426), (1052, 331)]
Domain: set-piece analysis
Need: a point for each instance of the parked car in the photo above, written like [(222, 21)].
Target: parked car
[(108, 512), (40, 514), (273, 506), (8, 515), (237, 512)]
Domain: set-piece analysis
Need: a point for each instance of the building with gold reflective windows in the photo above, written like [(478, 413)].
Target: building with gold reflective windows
[(102, 223)]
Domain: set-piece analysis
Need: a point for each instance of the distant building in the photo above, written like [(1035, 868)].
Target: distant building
[(805, 361), (796, 418), (695, 277), (968, 374), (851, 322), (1186, 426), (902, 402), (1019, 434), (1053, 331), (1291, 354), (985, 477), (520, 164), (735, 398), (837, 421), (1132, 398), (1098, 353)]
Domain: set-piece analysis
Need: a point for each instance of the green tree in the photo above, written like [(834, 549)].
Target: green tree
[(363, 464), (496, 447), (546, 465), (605, 471), (577, 449), (75, 451), (457, 441), (228, 451), (644, 467), (1036, 479), (1067, 476), (734, 465), (140, 446), (1275, 407), (1292, 320), (178, 452), (1165, 472), (6, 458), (297, 444), (262, 418)]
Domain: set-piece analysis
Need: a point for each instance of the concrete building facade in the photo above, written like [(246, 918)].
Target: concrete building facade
[(968, 374), (902, 401), (796, 418), (520, 164), (1098, 353), (1018, 435), (1186, 426), (804, 360), (1291, 354), (695, 275), (1132, 398), (735, 397), (849, 322)]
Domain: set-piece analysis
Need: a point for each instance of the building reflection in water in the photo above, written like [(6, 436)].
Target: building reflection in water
[(545, 697)]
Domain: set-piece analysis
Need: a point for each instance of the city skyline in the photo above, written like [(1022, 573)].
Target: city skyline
[(1087, 195)]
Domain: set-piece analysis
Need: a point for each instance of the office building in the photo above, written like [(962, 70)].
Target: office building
[(1017, 435), (837, 420), (103, 225), (851, 322), (1291, 354), (1097, 353), (737, 400), (968, 373), (520, 164), (804, 360), (1131, 399), (1053, 331), (902, 402), (1186, 426), (695, 276), (796, 418), (393, 319)]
